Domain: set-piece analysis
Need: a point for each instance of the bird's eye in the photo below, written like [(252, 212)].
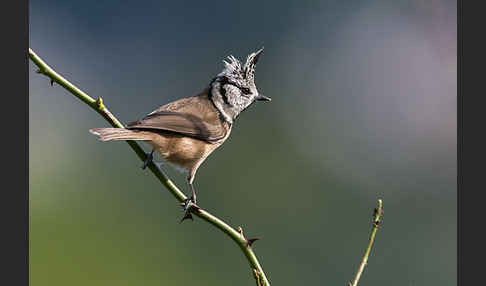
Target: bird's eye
[(245, 90)]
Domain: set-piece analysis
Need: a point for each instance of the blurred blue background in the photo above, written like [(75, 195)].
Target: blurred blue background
[(364, 107)]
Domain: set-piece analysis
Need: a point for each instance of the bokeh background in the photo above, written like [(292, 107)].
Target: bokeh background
[(364, 107)]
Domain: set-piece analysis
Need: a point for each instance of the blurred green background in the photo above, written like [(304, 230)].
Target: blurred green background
[(364, 107)]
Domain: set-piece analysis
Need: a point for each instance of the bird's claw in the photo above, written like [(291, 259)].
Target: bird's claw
[(148, 160), (186, 216), (188, 205)]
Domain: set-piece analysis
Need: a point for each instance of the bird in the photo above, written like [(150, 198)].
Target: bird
[(186, 131)]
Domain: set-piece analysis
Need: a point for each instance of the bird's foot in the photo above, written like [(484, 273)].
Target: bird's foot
[(148, 160), (188, 206)]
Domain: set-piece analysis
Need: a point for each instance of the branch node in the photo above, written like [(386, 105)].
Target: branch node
[(258, 277), (99, 104), (44, 72), (378, 214)]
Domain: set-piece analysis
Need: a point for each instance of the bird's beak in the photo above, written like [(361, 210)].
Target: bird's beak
[(262, 97)]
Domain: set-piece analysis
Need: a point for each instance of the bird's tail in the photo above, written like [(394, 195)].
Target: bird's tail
[(107, 134)]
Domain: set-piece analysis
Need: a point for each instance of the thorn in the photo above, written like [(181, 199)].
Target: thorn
[(52, 82), (250, 241), (240, 230), (38, 71)]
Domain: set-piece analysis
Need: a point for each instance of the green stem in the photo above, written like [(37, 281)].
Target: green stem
[(377, 216), (99, 107)]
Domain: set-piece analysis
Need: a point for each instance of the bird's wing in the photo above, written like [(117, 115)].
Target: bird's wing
[(194, 116)]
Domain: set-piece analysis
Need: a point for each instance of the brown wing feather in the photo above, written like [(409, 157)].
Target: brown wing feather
[(194, 116)]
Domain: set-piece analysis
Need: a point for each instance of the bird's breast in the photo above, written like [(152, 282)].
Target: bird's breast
[(184, 151)]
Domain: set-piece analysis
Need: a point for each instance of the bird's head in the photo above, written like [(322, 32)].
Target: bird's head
[(234, 89)]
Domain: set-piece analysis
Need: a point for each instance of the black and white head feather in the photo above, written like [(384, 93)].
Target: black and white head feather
[(233, 90)]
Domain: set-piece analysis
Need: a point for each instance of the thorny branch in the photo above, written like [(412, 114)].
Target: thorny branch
[(98, 106)]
